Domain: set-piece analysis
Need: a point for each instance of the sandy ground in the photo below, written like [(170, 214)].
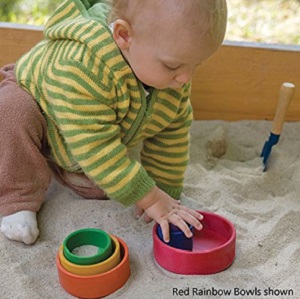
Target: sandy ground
[(263, 206)]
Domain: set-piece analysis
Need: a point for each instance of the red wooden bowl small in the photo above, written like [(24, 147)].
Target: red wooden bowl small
[(213, 248)]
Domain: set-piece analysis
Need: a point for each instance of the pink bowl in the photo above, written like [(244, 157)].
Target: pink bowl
[(213, 248)]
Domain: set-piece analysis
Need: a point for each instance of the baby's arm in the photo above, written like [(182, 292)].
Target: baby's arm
[(159, 206)]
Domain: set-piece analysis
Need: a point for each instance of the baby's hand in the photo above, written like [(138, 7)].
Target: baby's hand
[(139, 212), (159, 206)]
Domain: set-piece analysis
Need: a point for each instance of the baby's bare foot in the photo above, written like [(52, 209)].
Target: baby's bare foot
[(21, 226)]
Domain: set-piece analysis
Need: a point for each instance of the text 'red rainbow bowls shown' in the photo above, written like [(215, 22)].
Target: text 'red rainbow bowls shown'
[(213, 248)]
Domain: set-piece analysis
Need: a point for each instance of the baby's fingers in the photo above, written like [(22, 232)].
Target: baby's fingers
[(182, 219), (138, 212), (165, 230), (190, 216), (183, 227)]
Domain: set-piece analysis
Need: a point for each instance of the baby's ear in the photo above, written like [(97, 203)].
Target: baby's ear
[(122, 34)]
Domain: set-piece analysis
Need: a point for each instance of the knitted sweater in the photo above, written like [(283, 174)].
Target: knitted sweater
[(96, 109)]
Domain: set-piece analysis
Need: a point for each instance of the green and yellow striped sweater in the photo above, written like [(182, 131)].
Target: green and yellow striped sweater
[(96, 109)]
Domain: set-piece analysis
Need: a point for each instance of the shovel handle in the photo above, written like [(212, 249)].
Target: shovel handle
[(285, 96)]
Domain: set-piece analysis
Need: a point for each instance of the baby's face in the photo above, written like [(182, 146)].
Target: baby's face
[(168, 56), (169, 63)]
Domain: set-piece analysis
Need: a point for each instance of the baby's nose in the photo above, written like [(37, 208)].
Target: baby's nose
[(184, 77)]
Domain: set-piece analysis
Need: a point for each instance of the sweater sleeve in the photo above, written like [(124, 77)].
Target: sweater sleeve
[(165, 156), (86, 117)]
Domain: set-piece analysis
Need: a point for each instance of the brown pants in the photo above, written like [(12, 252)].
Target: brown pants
[(25, 170)]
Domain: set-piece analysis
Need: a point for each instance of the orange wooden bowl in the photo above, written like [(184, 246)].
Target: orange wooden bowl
[(99, 285)]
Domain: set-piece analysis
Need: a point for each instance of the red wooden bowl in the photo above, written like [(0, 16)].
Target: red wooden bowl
[(96, 286), (213, 248)]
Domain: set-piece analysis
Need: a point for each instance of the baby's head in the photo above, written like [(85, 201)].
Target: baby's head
[(164, 41)]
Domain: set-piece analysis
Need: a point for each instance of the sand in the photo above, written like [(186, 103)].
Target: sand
[(263, 206)]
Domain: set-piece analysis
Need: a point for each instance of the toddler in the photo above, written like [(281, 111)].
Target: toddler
[(108, 76)]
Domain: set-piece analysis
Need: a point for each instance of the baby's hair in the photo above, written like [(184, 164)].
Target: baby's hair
[(120, 9), (209, 15), (214, 16)]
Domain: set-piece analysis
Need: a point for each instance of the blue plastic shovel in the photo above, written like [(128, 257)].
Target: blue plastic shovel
[(285, 96)]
